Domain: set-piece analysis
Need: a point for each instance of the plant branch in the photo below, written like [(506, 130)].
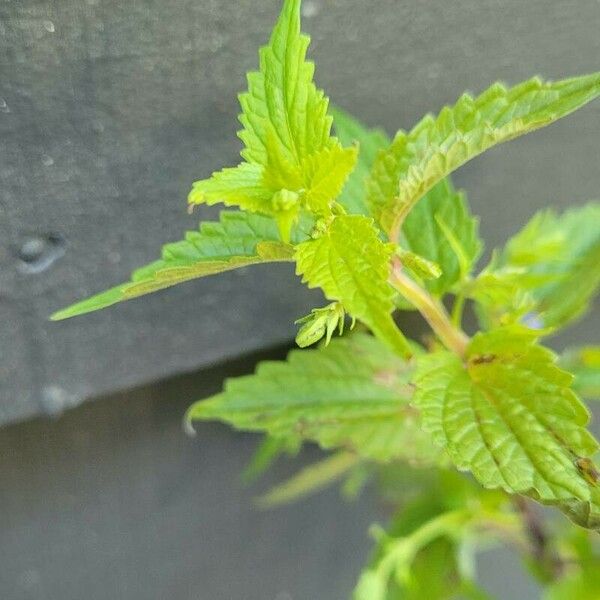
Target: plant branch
[(548, 564), (458, 308), (432, 310), (399, 218), (401, 552)]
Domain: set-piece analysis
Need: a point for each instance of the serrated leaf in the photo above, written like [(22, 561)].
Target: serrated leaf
[(237, 240), (441, 229), (511, 419), (436, 146), (350, 131), (292, 162), (551, 269), (352, 394), (325, 174), (420, 562), (282, 100), (428, 549), (584, 364), (279, 173), (351, 264), (238, 186)]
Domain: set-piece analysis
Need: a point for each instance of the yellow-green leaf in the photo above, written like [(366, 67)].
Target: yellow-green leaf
[(351, 264), (309, 480), (584, 364), (325, 174), (352, 394), (282, 99), (508, 415), (548, 272), (436, 146), (289, 152), (238, 186), (239, 239), (441, 229), (350, 131)]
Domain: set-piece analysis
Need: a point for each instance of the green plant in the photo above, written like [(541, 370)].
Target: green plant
[(463, 431)]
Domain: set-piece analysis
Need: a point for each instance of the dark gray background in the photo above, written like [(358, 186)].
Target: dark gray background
[(108, 111)]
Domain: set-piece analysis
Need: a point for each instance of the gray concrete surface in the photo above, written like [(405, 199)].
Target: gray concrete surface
[(113, 502), (109, 110)]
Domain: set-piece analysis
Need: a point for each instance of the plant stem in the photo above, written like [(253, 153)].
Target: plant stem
[(548, 564), (458, 308), (402, 551), (432, 310), (396, 227)]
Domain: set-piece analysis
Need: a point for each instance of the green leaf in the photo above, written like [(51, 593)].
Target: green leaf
[(428, 550), (282, 100), (419, 266), (551, 269), (267, 453), (501, 294), (238, 240), (584, 364), (325, 175), (292, 162), (309, 480), (579, 578), (422, 561), (350, 131), (441, 229), (351, 264), (319, 178), (240, 186), (510, 417), (436, 146), (352, 394), (578, 584), (321, 322)]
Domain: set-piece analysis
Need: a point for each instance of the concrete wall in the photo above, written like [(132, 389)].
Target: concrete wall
[(113, 501)]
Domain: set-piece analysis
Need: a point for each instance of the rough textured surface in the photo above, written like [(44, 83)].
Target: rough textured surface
[(108, 111)]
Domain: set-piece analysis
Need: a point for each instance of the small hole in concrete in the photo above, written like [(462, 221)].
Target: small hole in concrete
[(38, 252)]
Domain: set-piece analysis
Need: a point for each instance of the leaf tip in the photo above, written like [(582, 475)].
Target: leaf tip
[(188, 424), (65, 313)]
